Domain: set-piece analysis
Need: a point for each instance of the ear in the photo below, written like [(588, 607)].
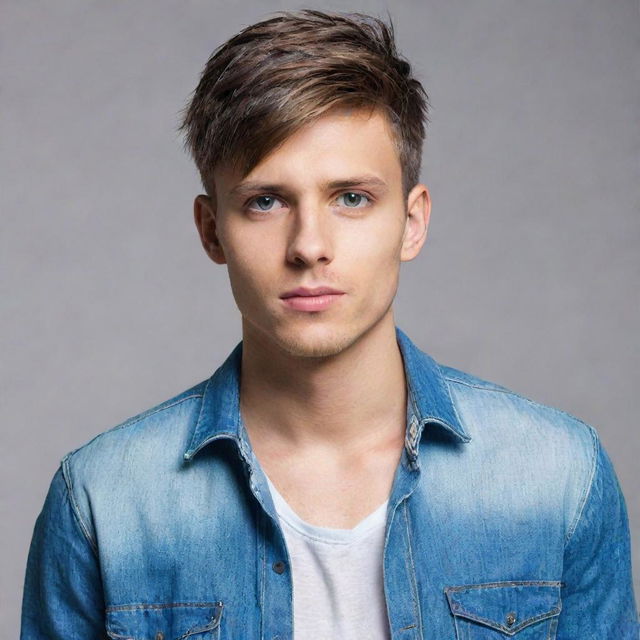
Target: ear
[(417, 222), (204, 213)]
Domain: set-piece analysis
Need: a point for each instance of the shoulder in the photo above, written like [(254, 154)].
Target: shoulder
[(481, 400), (521, 440), (154, 433), (494, 416)]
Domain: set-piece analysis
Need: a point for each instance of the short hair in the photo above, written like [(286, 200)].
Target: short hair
[(275, 76)]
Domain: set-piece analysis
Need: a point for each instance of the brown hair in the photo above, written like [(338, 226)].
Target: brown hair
[(277, 75)]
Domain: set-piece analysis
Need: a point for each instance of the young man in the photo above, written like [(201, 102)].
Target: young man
[(330, 480)]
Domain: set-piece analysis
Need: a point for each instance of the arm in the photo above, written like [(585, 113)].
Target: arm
[(63, 597), (597, 594)]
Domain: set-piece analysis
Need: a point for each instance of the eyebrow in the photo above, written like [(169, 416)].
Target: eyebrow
[(245, 188)]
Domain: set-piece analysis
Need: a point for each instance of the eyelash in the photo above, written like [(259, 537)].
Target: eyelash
[(368, 198)]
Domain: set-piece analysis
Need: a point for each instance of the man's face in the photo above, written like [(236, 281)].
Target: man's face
[(324, 209)]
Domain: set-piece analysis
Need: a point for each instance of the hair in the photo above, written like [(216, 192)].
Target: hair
[(275, 76)]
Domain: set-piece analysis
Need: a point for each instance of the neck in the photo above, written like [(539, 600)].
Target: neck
[(353, 400)]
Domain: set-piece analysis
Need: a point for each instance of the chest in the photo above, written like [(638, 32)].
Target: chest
[(454, 524), (333, 492)]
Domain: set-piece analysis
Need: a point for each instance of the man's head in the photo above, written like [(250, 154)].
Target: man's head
[(275, 76), (307, 131)]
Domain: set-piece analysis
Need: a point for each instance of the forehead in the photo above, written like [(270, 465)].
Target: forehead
[(340, 143)]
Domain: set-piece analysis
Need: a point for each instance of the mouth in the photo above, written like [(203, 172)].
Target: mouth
[(308, 292), (311, 302)]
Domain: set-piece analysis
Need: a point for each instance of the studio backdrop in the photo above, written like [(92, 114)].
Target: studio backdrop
[(529, 276)]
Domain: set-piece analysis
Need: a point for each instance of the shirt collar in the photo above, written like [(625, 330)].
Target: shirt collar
[(429, 401)]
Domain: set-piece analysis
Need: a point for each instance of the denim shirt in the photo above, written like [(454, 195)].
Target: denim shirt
[(505, 520)]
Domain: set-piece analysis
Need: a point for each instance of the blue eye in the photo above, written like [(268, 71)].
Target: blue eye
[(354, 200), (264, 203)]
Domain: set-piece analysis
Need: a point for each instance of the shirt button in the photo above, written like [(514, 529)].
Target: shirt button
[(279, 566), (159, 635), (511, 618)]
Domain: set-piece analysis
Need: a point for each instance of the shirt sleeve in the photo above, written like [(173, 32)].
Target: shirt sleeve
[(597, 594), (63, 597)]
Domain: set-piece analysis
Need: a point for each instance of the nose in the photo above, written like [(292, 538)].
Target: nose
[(310, 240)]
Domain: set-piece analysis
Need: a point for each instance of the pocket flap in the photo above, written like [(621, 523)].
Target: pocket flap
[(170, 621), (506, 606)]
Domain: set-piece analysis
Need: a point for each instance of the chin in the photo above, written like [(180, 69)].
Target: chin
[(315, 344)]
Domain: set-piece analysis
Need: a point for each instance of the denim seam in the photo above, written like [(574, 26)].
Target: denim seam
[(390, 517), (590, 429), (510, 392), (506, 583), (414, 406), (512, 583), (66, 474), (200, 414), (414, 586), (214, 623), (134, 420), (147, 414), (587, 489), (162, 605), (262, 551), (453, 404), (501, 627)]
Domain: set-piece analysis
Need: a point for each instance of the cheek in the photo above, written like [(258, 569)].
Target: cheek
[(250, 266), (377, 248), (376, 268)]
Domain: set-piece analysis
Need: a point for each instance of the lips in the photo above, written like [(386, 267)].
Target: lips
[(311, 299), (314, 291)]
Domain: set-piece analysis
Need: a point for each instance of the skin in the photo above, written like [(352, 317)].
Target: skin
[(323, 393)]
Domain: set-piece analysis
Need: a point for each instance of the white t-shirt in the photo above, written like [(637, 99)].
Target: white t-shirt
[(338, 589)]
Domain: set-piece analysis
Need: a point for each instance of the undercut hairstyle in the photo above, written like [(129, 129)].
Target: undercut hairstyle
[(278, 75)]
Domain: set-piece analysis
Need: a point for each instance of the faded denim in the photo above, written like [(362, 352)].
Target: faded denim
[(505, 520)]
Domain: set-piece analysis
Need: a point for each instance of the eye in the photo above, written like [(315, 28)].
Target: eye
[(354, 200), (264, 203)]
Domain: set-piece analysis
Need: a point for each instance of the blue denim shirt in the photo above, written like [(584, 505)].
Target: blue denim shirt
[(505, 520)]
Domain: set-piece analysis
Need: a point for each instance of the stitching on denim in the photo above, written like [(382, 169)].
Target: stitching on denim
[(214, 623), (411, 458), (390, 517), (134, 420), (515, 394), (414, 586), (66, 474), (510, 630), (66, 465), (480, 384), (588, 487), (555, 611), (592, 432), (412, 394), (152, 412), (453, 404), (506, 583), (200, 414), (261, 542), (160, 605), (220, 435)]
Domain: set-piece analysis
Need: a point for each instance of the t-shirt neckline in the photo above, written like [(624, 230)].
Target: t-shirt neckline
[(375, 519)]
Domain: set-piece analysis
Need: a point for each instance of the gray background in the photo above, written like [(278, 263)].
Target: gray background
[(109, 305)]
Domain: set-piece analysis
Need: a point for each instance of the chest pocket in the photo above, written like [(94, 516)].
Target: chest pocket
[(179, 621), (498, 610)]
